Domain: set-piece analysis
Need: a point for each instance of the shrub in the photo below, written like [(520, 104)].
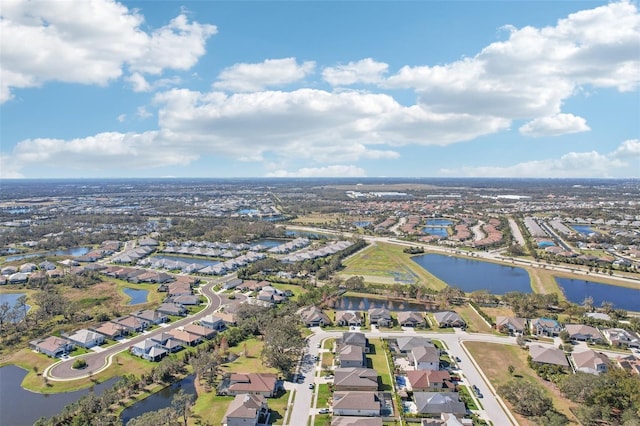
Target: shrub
[(79, 364)]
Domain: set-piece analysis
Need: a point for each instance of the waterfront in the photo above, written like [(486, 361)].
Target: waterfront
[(73, 252), (472, 275), (137, 296), (577, 290), (159, 400), (19, 407), (364, 303)]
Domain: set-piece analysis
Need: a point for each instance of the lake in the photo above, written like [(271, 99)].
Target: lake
[(471, 275), (76, 251), (361, 224), (364, 303), (11, 299), (159, 400), (439, 222), (20, 407), (622, 297), (137, 296), (435, 230)]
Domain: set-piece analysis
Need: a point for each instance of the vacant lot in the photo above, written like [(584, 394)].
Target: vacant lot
[(387, 264), (494, 360)]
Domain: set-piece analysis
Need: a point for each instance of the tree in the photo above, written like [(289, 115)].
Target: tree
[(511, 369), (181, 403), (527, 398), (4, 314), (284, 345), (162, 417)]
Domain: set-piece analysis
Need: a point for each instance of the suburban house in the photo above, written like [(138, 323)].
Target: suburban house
[(172, 309), (232, 284), (584, 333), (354, 338), (271, 294), (356, 421), (350, 318), (425, 358), (428, 380), (150, 316), (199, 330), (405, 344), (86, 338), (354, 403), (185, 337), (511, 325), (548, 355), (110, 330), (312, 316), (381, 317), (167, 341), (630, 363), (439, 402), (186, 300), (591, 362), (213, 322), (545, 327), (447, 419), (246, 410), (249, 383), (351, 356), (411, 319), (52, 346), (355, 379), (132, 324), (621, 337), (149, 350), (449, 319)]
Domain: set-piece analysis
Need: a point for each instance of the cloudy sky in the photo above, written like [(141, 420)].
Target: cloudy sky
[(300, 88)]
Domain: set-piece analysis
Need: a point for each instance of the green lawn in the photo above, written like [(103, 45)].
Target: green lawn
[(379, 363), (324, 394), (385, 264), (278, 407), (250, 363), (209, 408)]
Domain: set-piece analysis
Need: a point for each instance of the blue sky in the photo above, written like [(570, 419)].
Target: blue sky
[(303, 88)]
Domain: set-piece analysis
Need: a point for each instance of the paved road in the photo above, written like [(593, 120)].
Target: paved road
[(304, 406), (98, 361)]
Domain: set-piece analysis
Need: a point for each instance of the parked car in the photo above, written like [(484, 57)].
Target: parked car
[(458, 359), (323, 411), (311, 386)]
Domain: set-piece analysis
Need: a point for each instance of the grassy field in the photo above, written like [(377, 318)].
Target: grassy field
[(249, 361), (387, 264), (494, 360), (324, 395), (475, 323), (379, 363)]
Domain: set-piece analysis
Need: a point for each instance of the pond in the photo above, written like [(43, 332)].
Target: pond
[(435, 230), (363, 303), (137, 296), (159, 400), (622, 297), (471, 275), (76, 251), (267, 242), (11, 299), (362, 224), (584, 229), (20, 407), (439, 222)]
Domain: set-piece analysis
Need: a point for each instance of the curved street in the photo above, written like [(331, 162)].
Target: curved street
[(98, 361)]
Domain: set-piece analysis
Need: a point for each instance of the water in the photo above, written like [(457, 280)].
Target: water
[(435, 230), (584, 229), (76, 251), (267, 242), (439, 222), (364, 303), (471, 275), (249, 211), (186, 259), (303, 234), (362, 224), (159, 400), (622, 297), (137, 296), (11, 298), (19, 407)]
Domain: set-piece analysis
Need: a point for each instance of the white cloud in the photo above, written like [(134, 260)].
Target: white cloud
[(89, 42), (555, 125), (328, 171), (363, 71), (570, 165), (9, 167), (122, 118), (270, 73), (530, 74), (138, 82), (142, 113)]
